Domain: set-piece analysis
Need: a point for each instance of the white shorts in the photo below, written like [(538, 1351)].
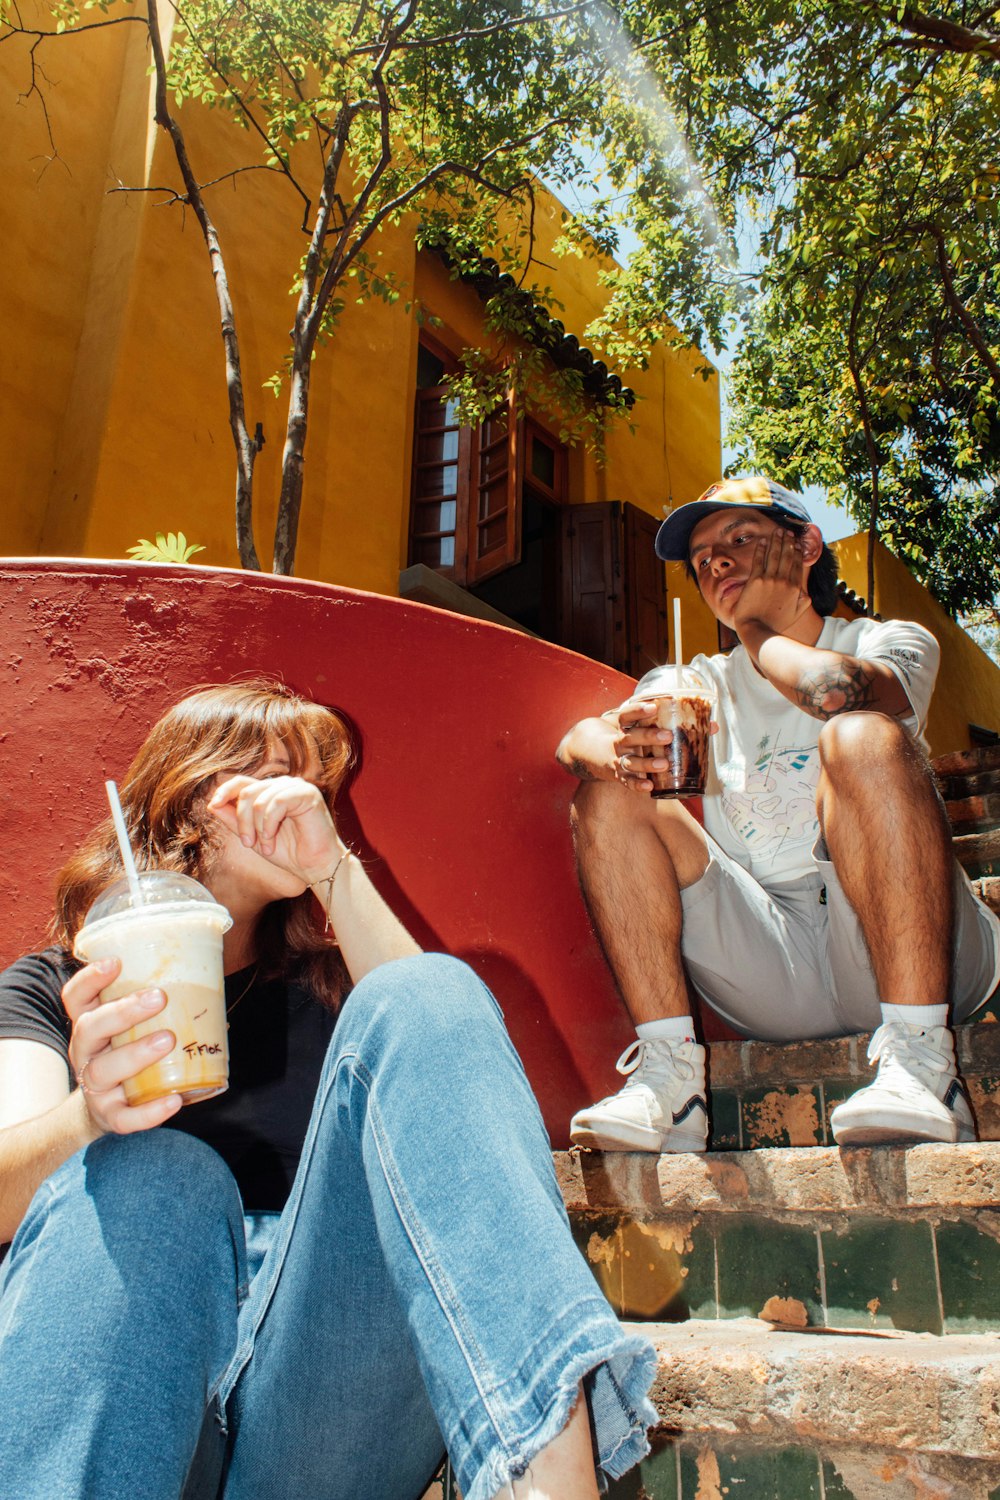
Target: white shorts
[(790, 963)]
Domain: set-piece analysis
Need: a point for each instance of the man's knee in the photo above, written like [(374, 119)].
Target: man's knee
[(596, 802), (856, 744)]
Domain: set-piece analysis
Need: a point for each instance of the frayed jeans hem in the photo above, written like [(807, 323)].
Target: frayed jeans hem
[(616, 1383)]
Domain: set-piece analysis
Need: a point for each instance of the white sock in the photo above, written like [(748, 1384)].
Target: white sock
[(923, 1017), (669, 1029)]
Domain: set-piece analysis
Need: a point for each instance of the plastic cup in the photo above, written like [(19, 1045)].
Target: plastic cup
[(171, 941), (686, 710)]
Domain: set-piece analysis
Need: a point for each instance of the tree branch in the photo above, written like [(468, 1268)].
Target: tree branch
[(948, 36), (963, 314), (475, 34), (241, 104)]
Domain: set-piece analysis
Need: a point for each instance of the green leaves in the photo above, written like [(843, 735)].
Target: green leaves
[(172, 548), (861, 151)]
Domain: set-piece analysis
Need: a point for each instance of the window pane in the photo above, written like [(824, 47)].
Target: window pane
[(434, 552), (495, 426), (493, 534), (430, 369), (492, 499), (437, 480), (431, 518), (434, 447), (428, 553), (543, 462)]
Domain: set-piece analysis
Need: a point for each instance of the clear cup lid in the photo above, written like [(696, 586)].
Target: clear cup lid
[(662, 681), (158, 890)]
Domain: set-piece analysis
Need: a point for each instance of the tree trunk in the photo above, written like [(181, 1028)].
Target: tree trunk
[(246, 451), (286, 528)]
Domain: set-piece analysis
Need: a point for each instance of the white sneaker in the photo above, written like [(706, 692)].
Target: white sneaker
[(915, 1096), (661, 1108)]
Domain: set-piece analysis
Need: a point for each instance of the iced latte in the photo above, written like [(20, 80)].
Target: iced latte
[(171, 941)]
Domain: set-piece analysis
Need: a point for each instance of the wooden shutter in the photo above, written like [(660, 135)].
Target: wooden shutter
[(592, 604), (494, 528), (645, 593), (439, 508)]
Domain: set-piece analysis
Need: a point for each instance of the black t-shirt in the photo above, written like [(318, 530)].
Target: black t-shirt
[(278, 1036)]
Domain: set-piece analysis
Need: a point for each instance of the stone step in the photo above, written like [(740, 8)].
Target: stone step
[(988, 890), (887, 1238), (781, 1094), (747, 1410)]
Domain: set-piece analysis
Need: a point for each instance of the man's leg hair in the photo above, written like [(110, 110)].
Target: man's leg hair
[(633, 857), (889, 841)]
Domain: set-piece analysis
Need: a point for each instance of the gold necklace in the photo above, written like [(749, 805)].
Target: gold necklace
[(245, 990)]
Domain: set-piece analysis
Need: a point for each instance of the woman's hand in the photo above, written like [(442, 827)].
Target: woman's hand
[(284, 819), (100, 1069)]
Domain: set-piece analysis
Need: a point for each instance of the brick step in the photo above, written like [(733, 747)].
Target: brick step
[(961, 763), (976, 814), (981, 785), (978, 853), (889, 1238), (750, 1411), (781, 1094)]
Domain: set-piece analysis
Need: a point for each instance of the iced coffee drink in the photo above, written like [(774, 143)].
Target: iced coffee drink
[(171, 940), (685, 708)]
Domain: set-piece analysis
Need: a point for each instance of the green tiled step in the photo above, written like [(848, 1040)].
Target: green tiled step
[(755, 1414), (770, 1094), (872, 1240)]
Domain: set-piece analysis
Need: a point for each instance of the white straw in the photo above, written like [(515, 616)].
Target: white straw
[(678, 652), (128, 859)]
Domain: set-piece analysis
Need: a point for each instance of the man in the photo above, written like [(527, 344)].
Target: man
[(821, 897)]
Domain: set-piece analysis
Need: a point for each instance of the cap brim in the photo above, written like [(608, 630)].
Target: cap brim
[(675, 533)]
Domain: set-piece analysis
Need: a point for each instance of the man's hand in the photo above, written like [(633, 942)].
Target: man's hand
[(637, 746), (774, 596), (624, 746)]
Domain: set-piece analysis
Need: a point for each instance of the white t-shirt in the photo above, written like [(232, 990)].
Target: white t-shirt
[(760, 801)]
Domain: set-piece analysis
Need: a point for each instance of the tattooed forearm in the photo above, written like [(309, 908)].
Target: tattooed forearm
[(844, 688)]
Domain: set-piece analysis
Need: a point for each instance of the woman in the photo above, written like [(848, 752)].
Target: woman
[(314, 1278)]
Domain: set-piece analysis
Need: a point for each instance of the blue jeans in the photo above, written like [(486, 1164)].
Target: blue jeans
[(420, 1289)]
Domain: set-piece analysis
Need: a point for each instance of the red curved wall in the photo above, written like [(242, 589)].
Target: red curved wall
[(458, 807)]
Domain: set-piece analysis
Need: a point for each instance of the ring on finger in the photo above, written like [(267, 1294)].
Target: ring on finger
[(624, 762), (81, 1078)]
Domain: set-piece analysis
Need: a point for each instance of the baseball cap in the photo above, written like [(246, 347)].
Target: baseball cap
[(674, 535)]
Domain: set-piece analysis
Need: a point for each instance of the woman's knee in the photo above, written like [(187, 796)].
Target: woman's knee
[(155, 1201), (158, 1177), (420, 998)]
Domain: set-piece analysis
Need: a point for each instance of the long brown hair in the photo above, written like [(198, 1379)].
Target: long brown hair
[(164, 793)]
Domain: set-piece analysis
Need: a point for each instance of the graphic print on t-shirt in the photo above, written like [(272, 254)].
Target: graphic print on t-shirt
[(776, 803)]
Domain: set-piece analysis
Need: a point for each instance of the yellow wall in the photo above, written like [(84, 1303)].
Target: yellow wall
[(968, 685), (113, 399)]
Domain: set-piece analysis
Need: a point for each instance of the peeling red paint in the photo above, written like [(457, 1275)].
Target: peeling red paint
[(458, 804)]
